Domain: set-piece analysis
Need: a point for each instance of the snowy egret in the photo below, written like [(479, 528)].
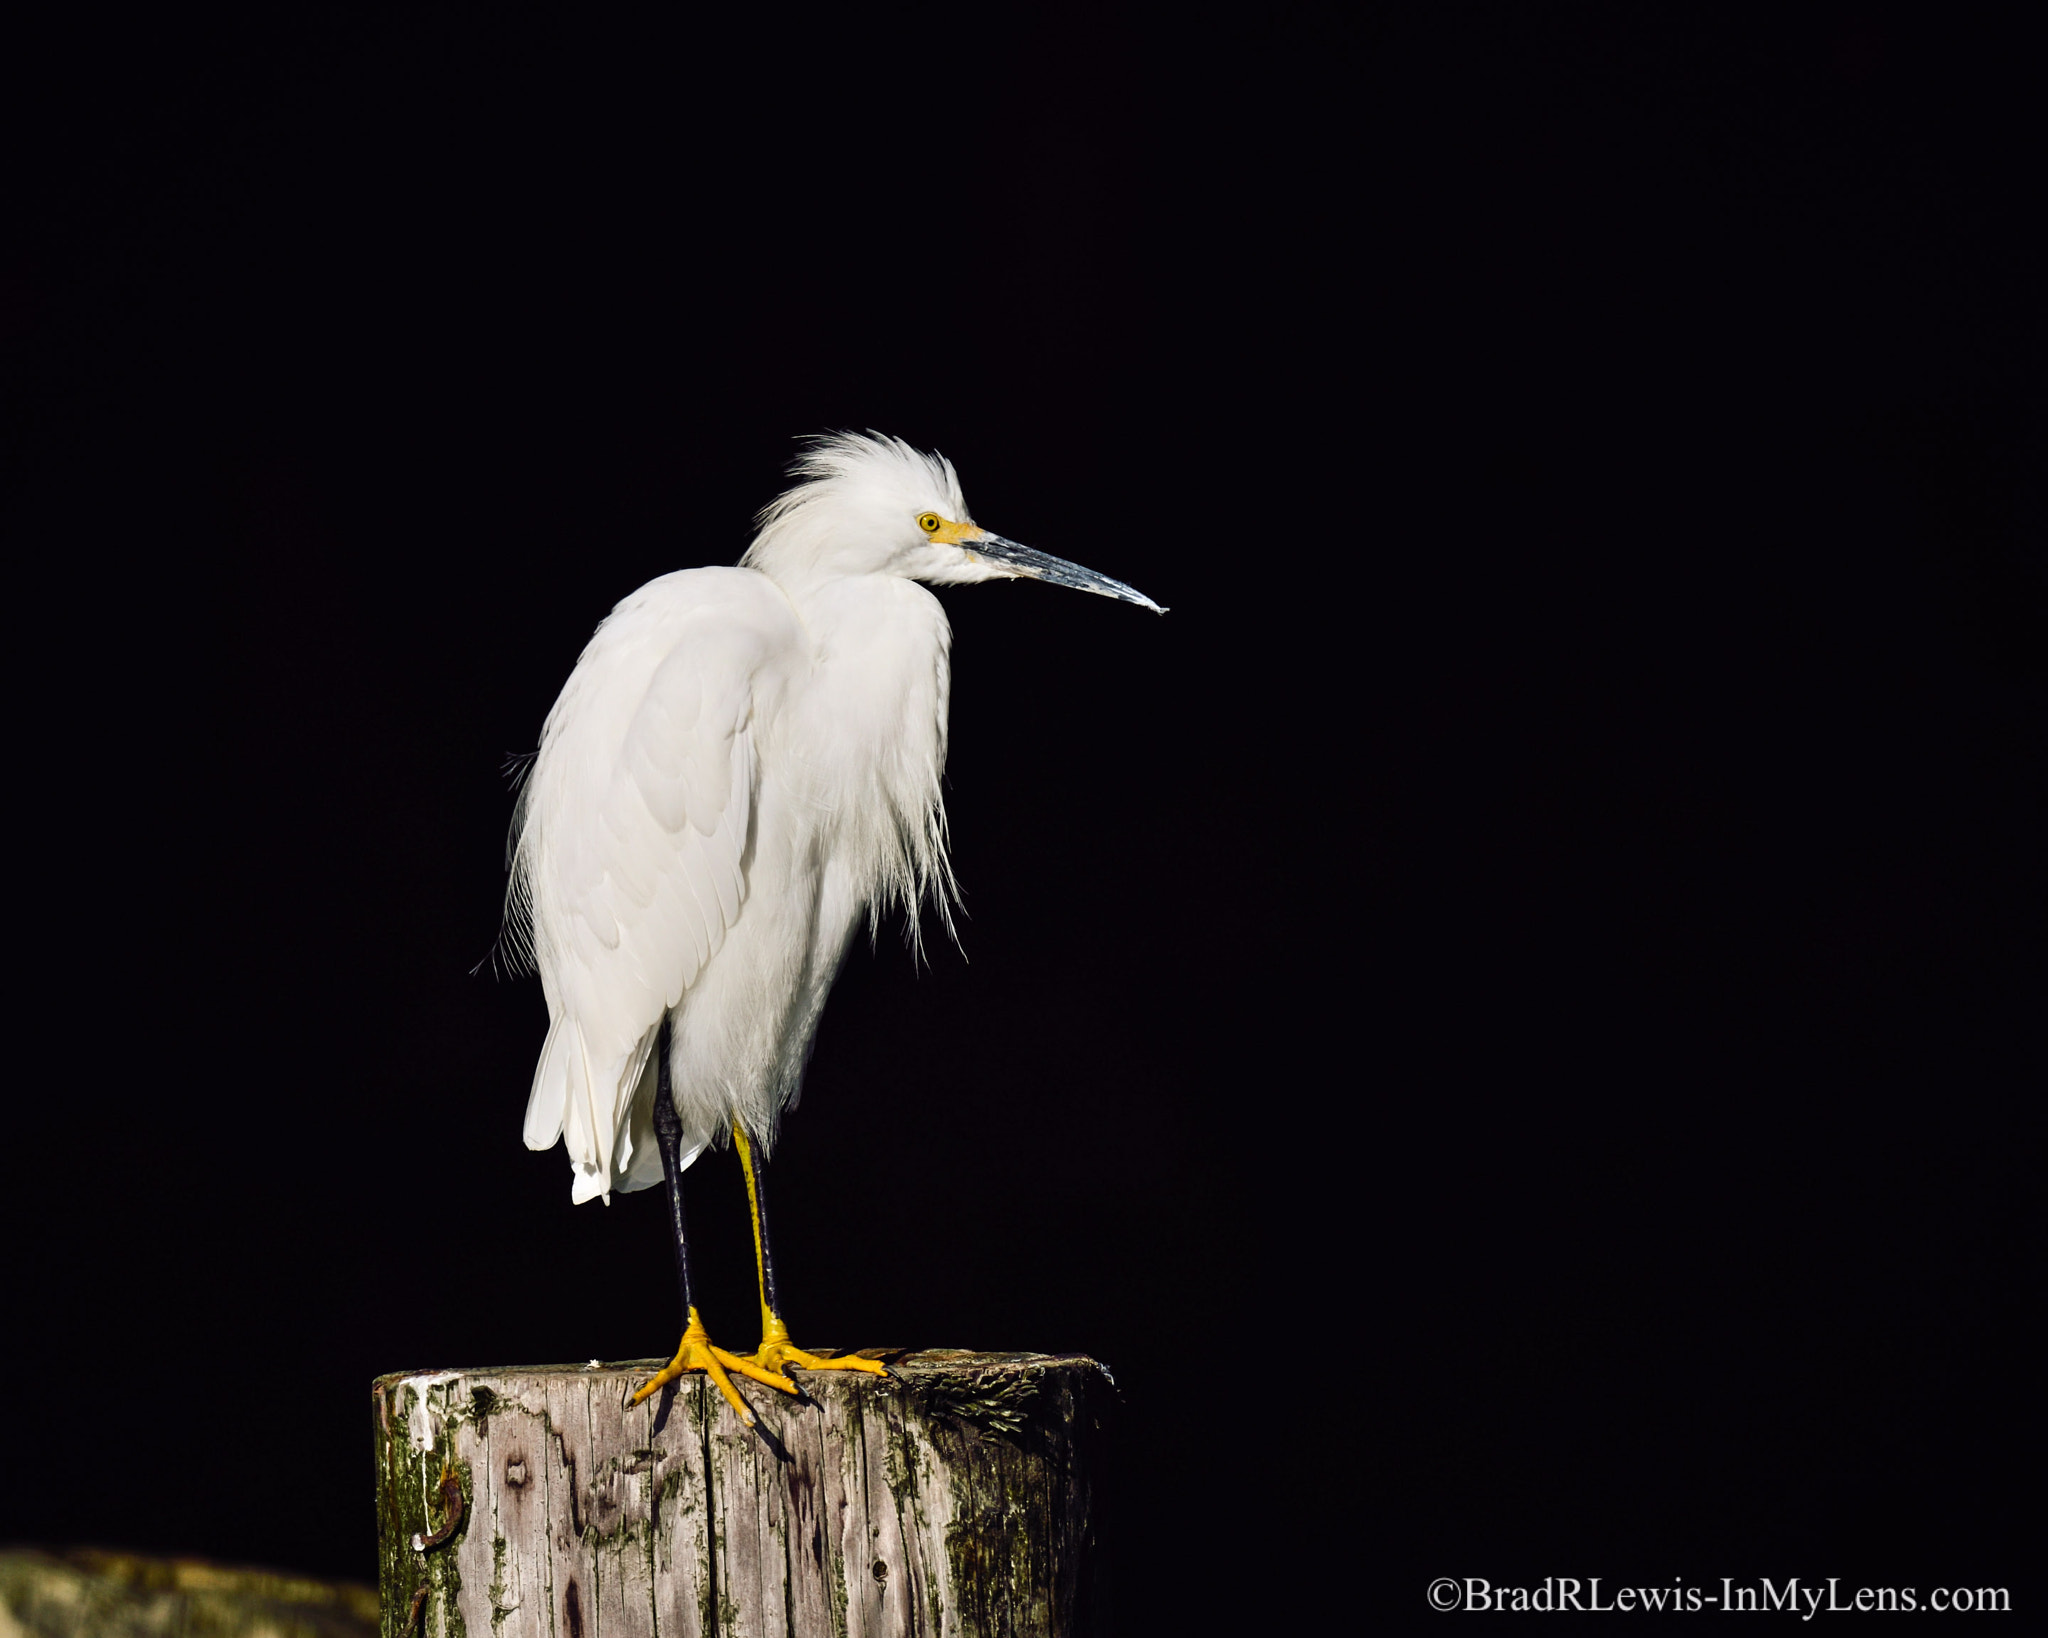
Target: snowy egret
[(744, 762)]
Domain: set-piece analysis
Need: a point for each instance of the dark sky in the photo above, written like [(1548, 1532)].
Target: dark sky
[(1510, 1017)]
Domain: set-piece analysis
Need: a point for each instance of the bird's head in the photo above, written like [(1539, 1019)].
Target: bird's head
[(869, 504)]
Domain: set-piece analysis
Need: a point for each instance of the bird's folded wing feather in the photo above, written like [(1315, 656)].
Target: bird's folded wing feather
[(642, 802), (657, 878)]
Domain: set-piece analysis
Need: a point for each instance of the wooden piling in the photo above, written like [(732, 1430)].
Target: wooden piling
[(959, 1496), (83, 1592)]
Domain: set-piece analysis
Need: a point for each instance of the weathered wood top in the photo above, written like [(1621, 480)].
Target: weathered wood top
[(900, 1361)]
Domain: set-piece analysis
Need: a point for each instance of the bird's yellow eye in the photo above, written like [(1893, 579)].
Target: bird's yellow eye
[(929, 523)]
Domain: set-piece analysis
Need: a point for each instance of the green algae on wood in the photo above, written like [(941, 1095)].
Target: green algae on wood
[(960, 1497)]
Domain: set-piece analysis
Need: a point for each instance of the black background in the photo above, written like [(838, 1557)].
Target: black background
[(1510, 1017)]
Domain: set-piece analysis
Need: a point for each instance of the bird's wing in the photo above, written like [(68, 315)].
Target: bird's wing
[(635, 847)]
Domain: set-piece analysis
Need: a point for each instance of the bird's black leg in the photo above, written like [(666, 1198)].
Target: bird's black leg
[(668, 1134), (696, 1352), (777, 1352)]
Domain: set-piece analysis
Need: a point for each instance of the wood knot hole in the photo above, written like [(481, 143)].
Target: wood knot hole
[(515, 1472), (880, 1573)]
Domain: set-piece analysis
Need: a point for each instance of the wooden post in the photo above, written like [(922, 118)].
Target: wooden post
[(80, 1592), (960, 1495)]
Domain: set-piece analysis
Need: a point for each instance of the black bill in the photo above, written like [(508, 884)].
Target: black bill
[(1055, 571)]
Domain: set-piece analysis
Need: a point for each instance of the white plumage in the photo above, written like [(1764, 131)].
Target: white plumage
[(744, 762)]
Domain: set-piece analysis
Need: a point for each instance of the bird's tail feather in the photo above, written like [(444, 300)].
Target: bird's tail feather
[(633, 1128), (604, 1114), (548, 1103)]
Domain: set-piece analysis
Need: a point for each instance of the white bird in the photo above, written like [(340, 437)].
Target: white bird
[(743, 765)]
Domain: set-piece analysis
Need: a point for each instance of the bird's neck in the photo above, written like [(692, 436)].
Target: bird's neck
[(862, 613)]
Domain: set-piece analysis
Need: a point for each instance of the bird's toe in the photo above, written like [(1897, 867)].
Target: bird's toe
[(760, 1370), (697, 1353), (783, 1356)]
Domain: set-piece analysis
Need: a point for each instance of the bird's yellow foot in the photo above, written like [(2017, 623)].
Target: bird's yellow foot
[(778, 1353), (696, 1353)]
